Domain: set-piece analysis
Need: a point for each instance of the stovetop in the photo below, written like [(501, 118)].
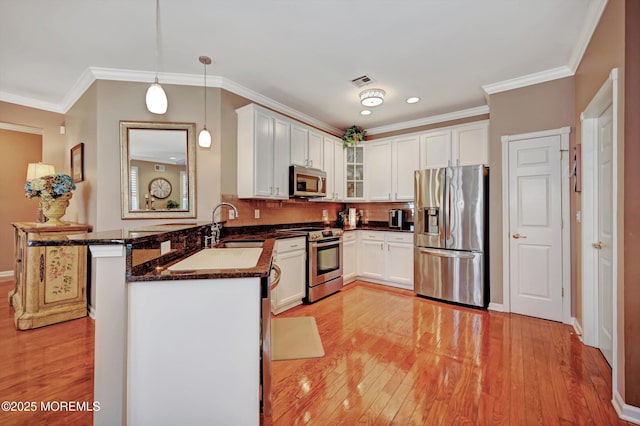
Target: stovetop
[(316, 233)]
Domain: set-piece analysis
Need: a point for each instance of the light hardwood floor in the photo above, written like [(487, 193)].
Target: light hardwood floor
[(391, 358)]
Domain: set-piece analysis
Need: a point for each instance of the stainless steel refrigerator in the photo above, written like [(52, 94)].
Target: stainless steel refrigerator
[(450, 234)]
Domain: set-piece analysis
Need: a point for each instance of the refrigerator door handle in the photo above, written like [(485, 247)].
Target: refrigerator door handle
[(450, 254)]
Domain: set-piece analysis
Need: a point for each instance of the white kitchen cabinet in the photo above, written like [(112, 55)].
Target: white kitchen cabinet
[(405, 161), (333, 161), (399, 259), (291, 258), (377, 158), (471, 144), (354, 167), (263, 154), (371, 254), (463, 145), (349, 256), (306, 147)]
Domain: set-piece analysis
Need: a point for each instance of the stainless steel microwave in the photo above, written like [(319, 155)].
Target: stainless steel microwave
[(307, 182)]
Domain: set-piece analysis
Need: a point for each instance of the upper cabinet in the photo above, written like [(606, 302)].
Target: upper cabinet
[(333, 161), (463, 145), (354, 173), (389, 168), (263, 154), (377, 160), (306, 147)]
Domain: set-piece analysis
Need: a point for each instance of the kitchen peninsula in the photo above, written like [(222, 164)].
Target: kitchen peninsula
[(179, 347)]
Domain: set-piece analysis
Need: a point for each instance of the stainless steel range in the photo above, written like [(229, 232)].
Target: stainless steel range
[(324, 261)]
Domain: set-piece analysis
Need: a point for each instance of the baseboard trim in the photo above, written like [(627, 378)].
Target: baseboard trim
[(92, 312), (577, 327), (498, 307), (6, 274), (625, 411)]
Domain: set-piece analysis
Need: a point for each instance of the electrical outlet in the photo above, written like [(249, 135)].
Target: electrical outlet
[(256, 214), (325, 214), (232, 215), (165, 247)]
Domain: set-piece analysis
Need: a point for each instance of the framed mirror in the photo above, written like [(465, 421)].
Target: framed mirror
[(157, 170)]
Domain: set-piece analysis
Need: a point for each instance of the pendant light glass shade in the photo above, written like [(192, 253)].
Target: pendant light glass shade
[(156, 98), (204, 137)]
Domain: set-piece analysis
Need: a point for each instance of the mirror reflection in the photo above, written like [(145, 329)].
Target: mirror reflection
[(158, 177)]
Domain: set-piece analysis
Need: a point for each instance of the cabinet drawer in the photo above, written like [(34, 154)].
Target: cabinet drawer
[(291, 244), (399, 237), (349, 236), (372, 235)]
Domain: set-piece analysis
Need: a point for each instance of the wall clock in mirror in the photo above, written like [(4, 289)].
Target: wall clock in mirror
[(160, 188)]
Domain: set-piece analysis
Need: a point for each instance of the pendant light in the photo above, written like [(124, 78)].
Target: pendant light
[(204, 137), (156, 98)]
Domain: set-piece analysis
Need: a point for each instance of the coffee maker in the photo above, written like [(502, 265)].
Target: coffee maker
[(396, 218)]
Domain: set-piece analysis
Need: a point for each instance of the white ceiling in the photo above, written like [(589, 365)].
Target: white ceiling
[(297, 56)]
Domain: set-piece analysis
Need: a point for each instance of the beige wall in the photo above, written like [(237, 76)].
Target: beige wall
[(17, 150), (147, 172), (539, 107)]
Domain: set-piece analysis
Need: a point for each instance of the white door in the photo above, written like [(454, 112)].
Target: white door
[(535, 225), (605, 234)]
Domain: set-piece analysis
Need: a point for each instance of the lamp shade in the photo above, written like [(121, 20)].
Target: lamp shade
[(156, 99), (36, 170), (204, 138)]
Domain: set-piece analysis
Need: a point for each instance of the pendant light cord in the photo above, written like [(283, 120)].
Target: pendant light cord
[(157, 36), (205, 93)]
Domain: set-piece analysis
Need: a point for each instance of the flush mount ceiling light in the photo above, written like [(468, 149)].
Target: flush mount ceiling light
[(413, 100), (372, 97), (365, 112), (204, 137), (156, 98)]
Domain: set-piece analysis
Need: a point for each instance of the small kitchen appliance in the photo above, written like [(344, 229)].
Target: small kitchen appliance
[(397, 218)]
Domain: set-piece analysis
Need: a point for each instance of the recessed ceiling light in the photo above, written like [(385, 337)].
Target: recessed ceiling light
[(413, 100), (365, 112)]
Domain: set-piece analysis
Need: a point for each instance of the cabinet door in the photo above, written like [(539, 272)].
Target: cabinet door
[(372, 259), (472, 144), (378, 171), (354, 166), (61, 270), (406, 160), (349, 260), (263, 161), (281, 158), (338, 170), (315, 150), (435, 150), (291, 289), (327, 145), (299, 142), (399, 264)]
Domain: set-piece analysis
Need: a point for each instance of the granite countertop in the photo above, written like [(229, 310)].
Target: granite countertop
[(374, 227)]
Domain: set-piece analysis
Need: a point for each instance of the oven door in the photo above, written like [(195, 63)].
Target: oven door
[(325, 260)]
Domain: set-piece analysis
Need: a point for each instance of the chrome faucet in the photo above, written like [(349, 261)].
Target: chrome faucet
[(216, 227)]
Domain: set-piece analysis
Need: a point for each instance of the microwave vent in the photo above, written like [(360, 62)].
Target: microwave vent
[(362, 81)]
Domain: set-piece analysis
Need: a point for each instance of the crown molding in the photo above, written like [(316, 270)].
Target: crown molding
[(95, 73), (528, 80), (20, 128), (30, 102), (594, 13), (456, 115)]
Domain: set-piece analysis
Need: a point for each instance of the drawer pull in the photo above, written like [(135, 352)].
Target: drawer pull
[(41, 268)]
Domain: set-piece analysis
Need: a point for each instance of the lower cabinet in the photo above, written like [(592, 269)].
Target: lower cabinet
[(386, 257), (50, 280), (349, 256), (291, 257)]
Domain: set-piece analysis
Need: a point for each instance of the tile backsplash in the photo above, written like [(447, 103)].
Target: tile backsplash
[(379, 212)]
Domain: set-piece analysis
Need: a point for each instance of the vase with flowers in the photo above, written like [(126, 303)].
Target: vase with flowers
[(54, 192)]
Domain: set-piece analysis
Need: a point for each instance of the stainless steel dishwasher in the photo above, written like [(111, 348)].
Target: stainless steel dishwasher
[(268, 285)]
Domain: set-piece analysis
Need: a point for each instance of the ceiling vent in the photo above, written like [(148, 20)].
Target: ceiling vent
[(362, 81)]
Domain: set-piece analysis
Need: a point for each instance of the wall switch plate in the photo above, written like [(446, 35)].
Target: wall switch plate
[(165, 247), (232, 215), (256, 214)]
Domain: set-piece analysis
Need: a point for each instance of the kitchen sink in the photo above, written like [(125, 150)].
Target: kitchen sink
[(220, 258)]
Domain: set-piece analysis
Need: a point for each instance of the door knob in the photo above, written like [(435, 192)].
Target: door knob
[(517, 235), (597, 246)]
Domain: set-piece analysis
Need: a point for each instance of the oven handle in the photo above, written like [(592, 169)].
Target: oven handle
[(325, 243)]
